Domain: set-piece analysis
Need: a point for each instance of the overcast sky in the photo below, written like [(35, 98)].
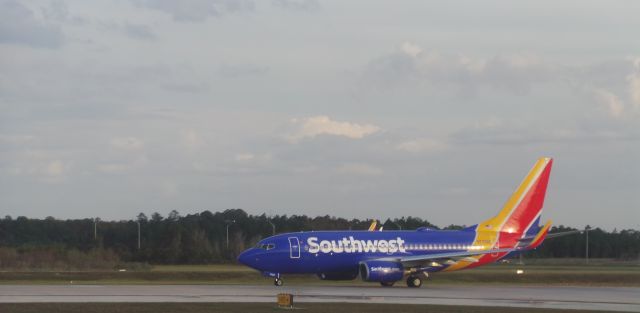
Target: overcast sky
[(368, 109)]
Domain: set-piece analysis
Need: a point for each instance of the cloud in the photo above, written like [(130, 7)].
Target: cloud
[(516, 73), (411, 49), (16, 139), (297, 5), (323, 125), (614, 106), (245, 157), (360, 169), (634, 83), (19, 25), (241, 70), (421, 145), (54, 168), (127, 143), (192, 139), (138, 31), (112, 168), (121, 167), (522, 132), (197, 10)]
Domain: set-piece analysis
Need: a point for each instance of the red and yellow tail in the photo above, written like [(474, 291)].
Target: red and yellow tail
[(516, 218), (525, 204)]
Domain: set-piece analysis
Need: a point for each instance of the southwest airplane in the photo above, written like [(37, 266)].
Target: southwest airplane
[(390, 256)]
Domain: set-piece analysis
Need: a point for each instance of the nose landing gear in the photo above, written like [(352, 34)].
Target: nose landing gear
[(277, 282)]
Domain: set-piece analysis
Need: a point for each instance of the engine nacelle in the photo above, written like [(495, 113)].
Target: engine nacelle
[(339, 275), (381, 271)]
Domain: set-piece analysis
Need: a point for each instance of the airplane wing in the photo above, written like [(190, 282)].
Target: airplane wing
[(444, 258), (564, 233)]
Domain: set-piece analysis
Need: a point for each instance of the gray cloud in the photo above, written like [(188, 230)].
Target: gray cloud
[(241, 70), (197, 10), (411, 66), (139, 31), (19, 25), (298, 5)]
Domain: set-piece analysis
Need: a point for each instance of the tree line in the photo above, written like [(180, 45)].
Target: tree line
[(219, 237)]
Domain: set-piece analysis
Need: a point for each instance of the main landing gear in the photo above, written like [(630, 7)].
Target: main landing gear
[(277, 282), (414, 281)]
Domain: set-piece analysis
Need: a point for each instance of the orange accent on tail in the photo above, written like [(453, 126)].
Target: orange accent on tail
[(521, 210), (540, 236)]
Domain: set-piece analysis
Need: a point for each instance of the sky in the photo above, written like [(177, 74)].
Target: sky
[(366, 109)]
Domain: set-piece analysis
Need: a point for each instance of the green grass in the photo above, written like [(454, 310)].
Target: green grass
[(256, 308), (557, 273)]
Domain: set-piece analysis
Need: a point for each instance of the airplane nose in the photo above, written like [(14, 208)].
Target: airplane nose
[(245, 258)]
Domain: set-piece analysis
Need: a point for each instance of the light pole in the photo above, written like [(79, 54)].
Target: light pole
[(399, 227), (229, 222), (95, 228), (138, 222), (586, 246), (273, 226)]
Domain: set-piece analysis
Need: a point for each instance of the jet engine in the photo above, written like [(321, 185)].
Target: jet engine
[(381, 271)]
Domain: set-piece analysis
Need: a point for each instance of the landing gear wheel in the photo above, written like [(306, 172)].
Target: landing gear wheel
[(414, 282), (387, 283), (277, 282)]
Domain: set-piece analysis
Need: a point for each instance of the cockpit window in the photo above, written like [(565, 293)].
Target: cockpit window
[(265, 246)]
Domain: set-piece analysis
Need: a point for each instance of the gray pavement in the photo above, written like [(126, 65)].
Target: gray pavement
[(580, 298)]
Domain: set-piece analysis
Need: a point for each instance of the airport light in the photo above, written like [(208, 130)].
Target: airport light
[(229, 222)]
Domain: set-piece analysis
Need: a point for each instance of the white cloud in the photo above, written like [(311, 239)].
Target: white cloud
[(411, 49), (322, 125), (634, 83), (360, 169), (614, 106), (192, 139), (245, 157), (55, 168)]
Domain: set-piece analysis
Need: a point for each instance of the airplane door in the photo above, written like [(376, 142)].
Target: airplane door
[(294, 248)]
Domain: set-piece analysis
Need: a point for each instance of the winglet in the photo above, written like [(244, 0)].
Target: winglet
[(373, 225), (539, 238)]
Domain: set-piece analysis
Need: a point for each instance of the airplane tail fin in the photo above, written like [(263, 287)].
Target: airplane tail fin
[(523, 208)]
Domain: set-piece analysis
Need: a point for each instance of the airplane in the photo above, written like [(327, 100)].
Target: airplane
[(387, 257)]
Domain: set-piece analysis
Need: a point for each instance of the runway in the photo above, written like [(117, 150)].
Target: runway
[(580, 298)]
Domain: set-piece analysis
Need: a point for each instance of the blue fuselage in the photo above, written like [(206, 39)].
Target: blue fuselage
[(343, 251)]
